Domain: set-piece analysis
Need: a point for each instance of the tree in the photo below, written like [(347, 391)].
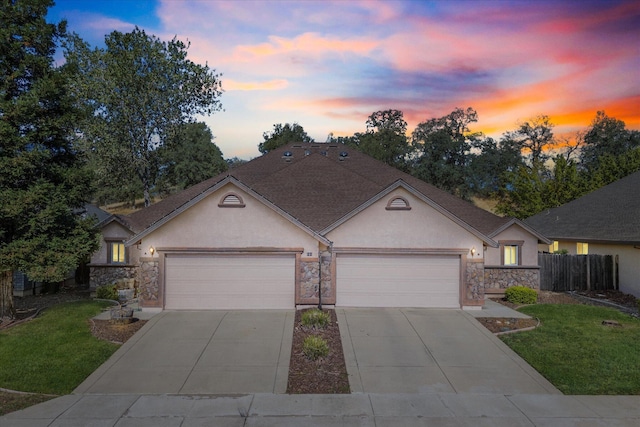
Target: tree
[(441, 147), (283, 135), (385, 138), (189, 157), (43, 184), (487, 167), (534, 137), (606, 136), (138, 91)]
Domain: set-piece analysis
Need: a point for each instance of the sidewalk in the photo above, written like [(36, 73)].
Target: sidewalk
[(360, 409)]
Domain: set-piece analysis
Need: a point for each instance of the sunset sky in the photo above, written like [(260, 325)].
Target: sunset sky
[(327, 65)]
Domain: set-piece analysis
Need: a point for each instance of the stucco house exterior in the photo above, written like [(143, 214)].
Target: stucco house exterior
[(605, 222), (267, 233)]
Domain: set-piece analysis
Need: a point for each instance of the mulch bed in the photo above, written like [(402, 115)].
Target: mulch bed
[(115, 332), (326, 375)]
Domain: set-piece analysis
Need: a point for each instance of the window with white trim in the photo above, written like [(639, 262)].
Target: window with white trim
[(554, 247), (510, 255), (511, 252)]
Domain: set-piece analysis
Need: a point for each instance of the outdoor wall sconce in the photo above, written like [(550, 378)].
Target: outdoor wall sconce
[(151, 250), (473, 251)]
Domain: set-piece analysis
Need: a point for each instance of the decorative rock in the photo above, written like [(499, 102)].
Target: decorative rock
[(121, 315)]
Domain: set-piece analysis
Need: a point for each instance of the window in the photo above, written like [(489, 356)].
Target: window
[(582, 248), (553, 248), (117, 255), (510, 255), (511, 252)]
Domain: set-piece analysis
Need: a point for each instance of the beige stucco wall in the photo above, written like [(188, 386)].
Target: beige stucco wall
[(114, 231), (205, 225), (517, 233), (420, 227)]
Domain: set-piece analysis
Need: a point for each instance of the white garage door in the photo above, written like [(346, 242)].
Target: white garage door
[(397, 281), (204, 282)]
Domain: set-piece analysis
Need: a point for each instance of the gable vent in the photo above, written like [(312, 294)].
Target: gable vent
[(231, 200), (398, 204)]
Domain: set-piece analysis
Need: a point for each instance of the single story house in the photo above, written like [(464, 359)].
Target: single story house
[(605, 222), (267, 233)]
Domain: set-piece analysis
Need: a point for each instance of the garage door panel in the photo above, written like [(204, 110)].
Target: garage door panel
[(229, 282), (397, 281)]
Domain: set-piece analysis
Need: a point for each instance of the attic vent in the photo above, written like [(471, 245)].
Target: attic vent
[(287, 154), (343, 155), (324, 152), (398, 204), (231, 200), (307, 152)]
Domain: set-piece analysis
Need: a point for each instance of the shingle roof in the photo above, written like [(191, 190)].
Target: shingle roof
[(317, 186), (608, 214)]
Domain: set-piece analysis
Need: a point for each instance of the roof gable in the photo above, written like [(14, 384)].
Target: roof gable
[(608, 214), (317, 185)]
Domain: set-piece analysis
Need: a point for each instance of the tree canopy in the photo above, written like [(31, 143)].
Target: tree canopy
[(283, 134), (189, 157), (137, 91), (43, 184)]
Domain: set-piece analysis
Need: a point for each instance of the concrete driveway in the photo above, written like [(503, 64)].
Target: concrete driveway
[(430, 351), (386, 351), (201, 352)]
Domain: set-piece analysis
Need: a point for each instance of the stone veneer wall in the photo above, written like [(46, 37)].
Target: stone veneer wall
[(100, 275), (308, 291), (500, 278), (474, 283), (148, 285)]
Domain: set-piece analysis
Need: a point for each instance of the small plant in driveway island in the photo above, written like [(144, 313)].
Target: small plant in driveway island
[(315, 347), (107, 292), (521, 295), (315, 318)]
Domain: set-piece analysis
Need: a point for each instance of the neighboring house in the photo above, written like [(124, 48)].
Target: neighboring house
[(264, 234), (606, 222)]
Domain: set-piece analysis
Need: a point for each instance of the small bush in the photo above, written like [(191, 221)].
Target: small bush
[(107, 292), (638, 302), (315, 347), (521, 295), (315, 318)]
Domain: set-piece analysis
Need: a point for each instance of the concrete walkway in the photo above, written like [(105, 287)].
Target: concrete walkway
[(430, 351), (407, 367), (194, 352), (380, 410)]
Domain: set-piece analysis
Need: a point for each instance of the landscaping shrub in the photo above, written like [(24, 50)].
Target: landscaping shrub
[(521, 295), (107, 292), (315, 318), (315, 347)]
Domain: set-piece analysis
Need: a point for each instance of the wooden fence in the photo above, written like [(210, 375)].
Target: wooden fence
[(576, 272)]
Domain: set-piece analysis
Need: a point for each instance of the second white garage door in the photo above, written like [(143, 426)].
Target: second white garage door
[(397, 281), (231, 282)]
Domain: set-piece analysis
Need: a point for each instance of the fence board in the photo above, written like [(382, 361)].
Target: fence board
[(562, 273)]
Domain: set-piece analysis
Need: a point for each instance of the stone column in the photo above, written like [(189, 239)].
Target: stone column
[(149, 286)]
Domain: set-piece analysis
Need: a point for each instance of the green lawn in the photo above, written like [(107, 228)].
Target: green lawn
[(579, 355), (53, 353)]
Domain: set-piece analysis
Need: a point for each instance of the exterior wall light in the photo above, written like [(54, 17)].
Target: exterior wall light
[(473, 251), (151, 250)]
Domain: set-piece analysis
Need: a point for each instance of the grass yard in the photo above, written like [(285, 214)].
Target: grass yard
[(53, 353), (577, 353)]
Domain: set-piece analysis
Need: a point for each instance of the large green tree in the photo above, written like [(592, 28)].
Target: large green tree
[(489, 164), (441, 148), (283, 134), (43, 184), (189, 157), (534, 138), (138, 91), (385, 138), (607, 136)]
